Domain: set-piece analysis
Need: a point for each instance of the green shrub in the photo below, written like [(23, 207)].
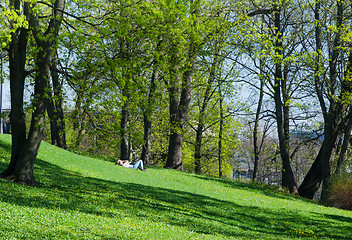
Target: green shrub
[(341, 191)]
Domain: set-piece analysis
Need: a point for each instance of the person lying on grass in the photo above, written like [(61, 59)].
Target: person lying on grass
[(128, 164)]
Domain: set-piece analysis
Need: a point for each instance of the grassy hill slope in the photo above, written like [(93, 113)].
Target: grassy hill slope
[(86, 198)]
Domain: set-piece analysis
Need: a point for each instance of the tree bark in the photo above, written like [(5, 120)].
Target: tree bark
[(57, 119), (145, 157), (78, 122), (202, 112), (179, 108), (288, 179), (20, 168), (318, 60), (198, 147), (24, 166), (220, 132), (320, 169), (345, 143), (17, 60), (178, 117), (124, 146), (255, 130), (50, 109), (333, 118), (147, 114)]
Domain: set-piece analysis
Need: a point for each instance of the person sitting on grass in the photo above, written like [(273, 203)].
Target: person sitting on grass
[(128, 164)]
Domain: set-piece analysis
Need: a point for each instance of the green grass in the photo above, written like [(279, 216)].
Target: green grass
[(88, 198)]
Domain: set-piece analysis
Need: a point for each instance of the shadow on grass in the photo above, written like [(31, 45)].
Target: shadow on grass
[(267, 190), (340, 218), (66, 190), (70, 191)]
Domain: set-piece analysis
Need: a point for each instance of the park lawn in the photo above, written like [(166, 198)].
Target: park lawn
[(89, 198)]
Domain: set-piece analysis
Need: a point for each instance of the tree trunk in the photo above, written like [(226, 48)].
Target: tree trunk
[(174, 156), (220, 131), (124, 146), (147, 115), (145, 157), (17, 60), (200, 127), (198, 148), (318, 60), (78, 122), (24, 151), (50, 109), (320, 170), (255, 130), (58, 116), (334, 122), (345, 143), (288, 179), (24, 166), (179, 109), (178, 117), (201, 120)]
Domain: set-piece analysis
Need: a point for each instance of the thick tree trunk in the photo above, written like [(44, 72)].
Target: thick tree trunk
[(178, 117), (312, 181), (320, 169), (24, 166), (17, 59), (179, 109), (174, 156), (125, 146)]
